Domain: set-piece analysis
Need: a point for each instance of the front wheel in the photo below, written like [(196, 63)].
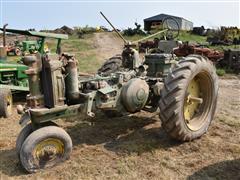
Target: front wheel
[(188, 98), (44, 148), (26, 131)]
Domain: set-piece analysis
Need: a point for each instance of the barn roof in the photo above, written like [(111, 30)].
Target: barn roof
[(161, 17)]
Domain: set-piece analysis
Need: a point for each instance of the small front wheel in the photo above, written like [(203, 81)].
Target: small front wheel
[(26, 131), (45, 148)]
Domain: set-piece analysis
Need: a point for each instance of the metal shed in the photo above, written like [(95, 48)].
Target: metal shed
[(150, 22)]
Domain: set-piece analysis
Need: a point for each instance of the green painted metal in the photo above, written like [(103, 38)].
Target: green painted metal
[(12, 74), (30, 46), (15, 88), (159, 64), (10, 67)]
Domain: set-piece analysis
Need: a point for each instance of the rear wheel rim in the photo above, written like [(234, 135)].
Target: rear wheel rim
[(197, 101)]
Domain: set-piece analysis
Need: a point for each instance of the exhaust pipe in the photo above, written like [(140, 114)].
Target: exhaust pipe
[(4, 34)]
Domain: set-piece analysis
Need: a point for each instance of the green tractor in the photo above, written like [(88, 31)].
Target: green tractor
[(23, 47), (13, 77), (184, 90)]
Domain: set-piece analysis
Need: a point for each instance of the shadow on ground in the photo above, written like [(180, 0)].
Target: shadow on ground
[(222, 170), (122, 135)]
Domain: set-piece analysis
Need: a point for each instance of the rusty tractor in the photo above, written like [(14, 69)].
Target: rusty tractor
[(185, 91), (186, 49), (12, 77)]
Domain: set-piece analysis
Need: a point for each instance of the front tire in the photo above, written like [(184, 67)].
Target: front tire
[(26, 131), (45, 148), (188, 98)]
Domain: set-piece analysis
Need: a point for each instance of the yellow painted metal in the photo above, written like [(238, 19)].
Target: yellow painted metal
[(192, 100), (9, 103), (48, 149)]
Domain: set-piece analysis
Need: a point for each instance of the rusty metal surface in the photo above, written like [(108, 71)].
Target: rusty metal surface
[(186, 49)]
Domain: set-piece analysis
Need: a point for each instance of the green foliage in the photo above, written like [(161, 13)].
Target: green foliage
[(134, 31), (230, 35), (220, 72), (224, 47), (84, 52), (187, 36), (82, 49), (73, 44), (81, 31)]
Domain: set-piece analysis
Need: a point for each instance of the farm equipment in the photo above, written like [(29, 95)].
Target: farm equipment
[(187, 49), (12, 74), (185, 91), (144, 46), (24, 47), (173, 31), (231, 60), (14, 49), (224, 36)]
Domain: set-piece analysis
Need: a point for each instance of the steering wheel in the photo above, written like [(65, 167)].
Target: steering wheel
[(172, 27)]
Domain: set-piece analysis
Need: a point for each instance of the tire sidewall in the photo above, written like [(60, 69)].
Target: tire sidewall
[(25, 132), (207, 68), (26, 156)]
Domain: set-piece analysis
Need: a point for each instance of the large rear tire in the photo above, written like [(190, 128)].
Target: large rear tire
[(111, 65), (188, 98), (6, 103), (45, 148)]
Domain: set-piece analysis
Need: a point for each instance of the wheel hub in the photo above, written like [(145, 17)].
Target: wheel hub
[(193, 100), (48, 150)]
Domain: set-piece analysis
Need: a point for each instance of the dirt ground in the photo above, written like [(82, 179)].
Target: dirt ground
[(107, 44), (137, 147)]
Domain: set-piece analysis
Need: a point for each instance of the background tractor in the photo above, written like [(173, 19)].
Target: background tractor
[(12, 72), (23, 47), (184, 90)]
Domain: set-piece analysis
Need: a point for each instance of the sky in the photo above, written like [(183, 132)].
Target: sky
[(43, 14)]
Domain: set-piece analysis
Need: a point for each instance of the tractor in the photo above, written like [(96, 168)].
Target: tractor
[(12, 76), (23, 47), (184, 91)]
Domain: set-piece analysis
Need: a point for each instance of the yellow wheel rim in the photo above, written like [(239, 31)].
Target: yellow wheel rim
[(48, 150), (192, 102), (9, 103)]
